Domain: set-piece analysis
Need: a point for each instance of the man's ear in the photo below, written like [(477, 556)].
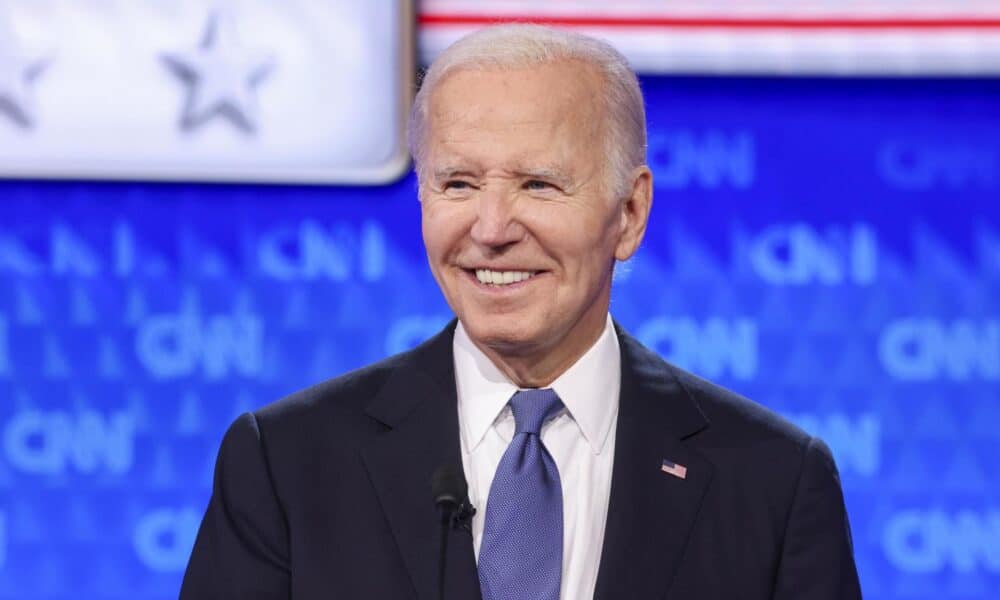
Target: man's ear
[(635, 213)]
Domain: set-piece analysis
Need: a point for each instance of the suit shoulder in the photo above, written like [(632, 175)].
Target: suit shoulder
[(730, 416), (736, 417), (344, 396)]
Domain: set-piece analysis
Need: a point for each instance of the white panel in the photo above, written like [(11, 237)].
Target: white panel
[(280, 90)]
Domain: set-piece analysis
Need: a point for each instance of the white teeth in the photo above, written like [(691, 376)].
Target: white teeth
[(501, 277)]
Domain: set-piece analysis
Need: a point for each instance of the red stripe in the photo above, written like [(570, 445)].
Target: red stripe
[(715, 22)]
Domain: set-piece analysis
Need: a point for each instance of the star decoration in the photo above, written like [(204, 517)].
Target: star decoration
[(18, 70), (221, 75)]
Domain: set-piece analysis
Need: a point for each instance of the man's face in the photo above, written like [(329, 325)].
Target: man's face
[(520, 229)]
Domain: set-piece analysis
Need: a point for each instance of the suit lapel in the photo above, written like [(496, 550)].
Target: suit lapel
[(418, 404), (651, 512)]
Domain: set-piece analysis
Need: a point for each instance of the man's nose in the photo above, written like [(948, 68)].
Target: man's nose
[(496, 222)]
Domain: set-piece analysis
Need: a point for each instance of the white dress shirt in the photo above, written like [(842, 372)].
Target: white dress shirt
[(581, 440)]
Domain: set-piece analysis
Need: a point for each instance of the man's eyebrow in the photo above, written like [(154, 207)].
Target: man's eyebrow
[(555, 175), (545, 173), (449, 172)]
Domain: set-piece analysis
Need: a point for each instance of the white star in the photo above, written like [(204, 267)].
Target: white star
[(18, 69), (221, 75)]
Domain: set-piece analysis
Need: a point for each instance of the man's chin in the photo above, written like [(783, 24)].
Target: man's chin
[(503, 335)]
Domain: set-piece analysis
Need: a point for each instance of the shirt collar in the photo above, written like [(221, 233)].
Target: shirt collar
[(589, 389)]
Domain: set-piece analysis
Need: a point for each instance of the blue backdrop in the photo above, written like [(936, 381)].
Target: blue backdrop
[(830, 248)]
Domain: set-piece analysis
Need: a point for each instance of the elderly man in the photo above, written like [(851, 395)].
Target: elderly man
[(597, 469)]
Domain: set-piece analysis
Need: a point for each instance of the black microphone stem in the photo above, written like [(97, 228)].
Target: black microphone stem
[(443, 558), (451, 496)]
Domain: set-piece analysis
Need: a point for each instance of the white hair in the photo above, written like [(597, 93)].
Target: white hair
[(521, 45)]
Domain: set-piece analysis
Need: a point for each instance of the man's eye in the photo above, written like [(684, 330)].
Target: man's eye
[(537, 185), (457, 185)]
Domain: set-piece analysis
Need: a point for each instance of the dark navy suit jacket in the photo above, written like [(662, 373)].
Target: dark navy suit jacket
[(326, 494)]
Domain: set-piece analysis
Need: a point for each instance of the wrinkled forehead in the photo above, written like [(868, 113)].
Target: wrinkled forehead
[(530, 108), (551, 92)]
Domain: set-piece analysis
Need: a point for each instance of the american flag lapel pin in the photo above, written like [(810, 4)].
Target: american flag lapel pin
[(672, 468)]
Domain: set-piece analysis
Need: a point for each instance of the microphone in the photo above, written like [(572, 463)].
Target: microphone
[(451, 497)]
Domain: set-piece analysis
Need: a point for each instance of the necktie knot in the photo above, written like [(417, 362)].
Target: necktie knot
[(532, 408)]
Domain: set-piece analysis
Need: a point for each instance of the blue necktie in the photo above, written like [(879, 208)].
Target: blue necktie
[(520, 557)]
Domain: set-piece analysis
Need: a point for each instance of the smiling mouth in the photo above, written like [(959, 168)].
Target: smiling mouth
[(501, 278)]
